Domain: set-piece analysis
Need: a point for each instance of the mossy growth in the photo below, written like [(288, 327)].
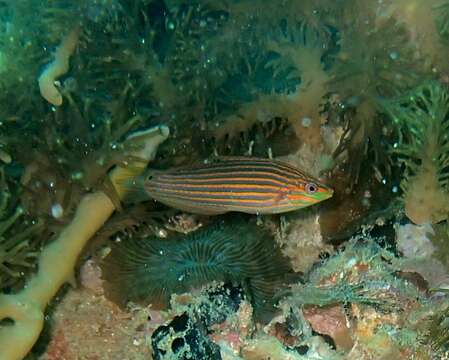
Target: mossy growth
[(20, 239), (384, 304), (362, 273), (421, 118), (438, 329)]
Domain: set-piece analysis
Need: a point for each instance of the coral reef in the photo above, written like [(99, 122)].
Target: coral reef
[(25, 309), (353, 92), (356, 298)]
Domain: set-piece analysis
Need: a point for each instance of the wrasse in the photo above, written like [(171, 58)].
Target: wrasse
[(248, 185)]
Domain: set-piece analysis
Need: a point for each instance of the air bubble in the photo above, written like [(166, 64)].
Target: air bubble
[(306, 121), (57, 211)]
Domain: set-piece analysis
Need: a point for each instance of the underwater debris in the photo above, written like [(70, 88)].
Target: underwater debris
[(150, 270), (422, 146)]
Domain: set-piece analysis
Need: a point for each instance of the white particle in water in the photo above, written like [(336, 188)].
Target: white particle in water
[(394, 55), (57, 211), (162, 233), (306, 121)]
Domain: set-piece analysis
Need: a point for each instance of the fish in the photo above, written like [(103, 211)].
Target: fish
[(242, 184)]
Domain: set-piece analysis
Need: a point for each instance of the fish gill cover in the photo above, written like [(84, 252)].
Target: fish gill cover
[(352, 92)]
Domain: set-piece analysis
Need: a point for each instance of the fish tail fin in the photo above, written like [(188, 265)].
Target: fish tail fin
[(131, 184)]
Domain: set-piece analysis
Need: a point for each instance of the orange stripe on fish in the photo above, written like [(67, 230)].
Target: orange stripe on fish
[(256, 186)]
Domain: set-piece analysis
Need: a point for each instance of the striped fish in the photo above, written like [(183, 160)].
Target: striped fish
[(248, 185)]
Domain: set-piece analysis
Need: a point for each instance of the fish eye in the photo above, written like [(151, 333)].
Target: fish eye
[(311, 188)]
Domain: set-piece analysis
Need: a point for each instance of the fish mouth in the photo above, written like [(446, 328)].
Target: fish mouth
[(324, 195)]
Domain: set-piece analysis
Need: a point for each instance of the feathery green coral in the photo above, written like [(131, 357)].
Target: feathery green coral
[(422, 121)]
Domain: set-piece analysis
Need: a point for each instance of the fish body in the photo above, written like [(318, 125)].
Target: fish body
[(248, 185)]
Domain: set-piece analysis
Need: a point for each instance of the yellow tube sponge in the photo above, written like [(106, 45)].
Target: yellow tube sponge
[(59, 66), (57, 260)]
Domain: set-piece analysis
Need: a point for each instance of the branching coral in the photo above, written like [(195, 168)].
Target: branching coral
[(422, 120)]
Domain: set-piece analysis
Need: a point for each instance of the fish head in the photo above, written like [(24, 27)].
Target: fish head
[(308, 191)]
